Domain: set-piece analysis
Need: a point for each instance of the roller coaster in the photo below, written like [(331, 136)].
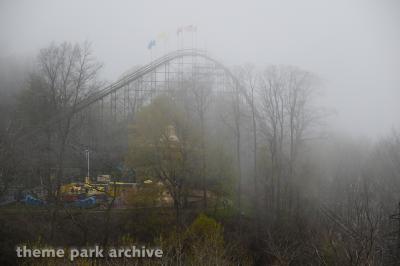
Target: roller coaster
[(168, 72), (103, 117)]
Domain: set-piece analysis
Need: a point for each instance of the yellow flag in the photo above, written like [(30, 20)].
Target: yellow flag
[(162, 36)]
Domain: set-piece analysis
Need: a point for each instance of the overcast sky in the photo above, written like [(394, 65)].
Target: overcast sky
[(354, 46)]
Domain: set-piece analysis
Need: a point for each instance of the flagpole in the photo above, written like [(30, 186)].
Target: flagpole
[(182, 39), (195, 39), (177, 39)]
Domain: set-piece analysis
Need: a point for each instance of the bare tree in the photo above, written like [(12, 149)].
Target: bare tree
[(272, 101), (202, 91), (248, 77), (288, 116), (65, 75)]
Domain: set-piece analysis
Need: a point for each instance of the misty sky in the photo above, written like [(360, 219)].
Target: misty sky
[(354, 46)]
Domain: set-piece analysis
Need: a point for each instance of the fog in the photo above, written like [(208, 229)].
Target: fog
[(275, 140), (352, 45)]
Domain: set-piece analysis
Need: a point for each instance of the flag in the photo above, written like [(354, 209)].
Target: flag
[(162, 36), (179, 30), (191, 28), (151, 44)]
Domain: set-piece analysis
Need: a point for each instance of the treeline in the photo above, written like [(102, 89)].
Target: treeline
[(257, 158)]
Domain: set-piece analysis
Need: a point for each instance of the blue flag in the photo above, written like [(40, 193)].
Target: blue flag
[(151, 44)]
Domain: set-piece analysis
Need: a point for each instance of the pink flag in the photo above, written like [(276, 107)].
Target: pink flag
[(191, 28)]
